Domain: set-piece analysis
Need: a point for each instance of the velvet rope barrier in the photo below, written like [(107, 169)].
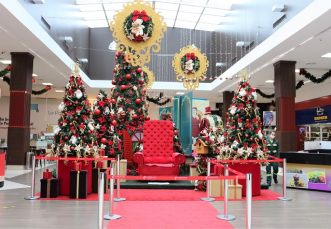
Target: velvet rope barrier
[(248, 161), (75, 159), (175, 177)]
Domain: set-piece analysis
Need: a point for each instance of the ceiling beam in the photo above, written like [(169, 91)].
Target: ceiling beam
[(200, 16), (176, 16)]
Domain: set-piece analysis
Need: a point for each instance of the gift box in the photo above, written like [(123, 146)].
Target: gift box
[(77, 166), (47, 174), (101, 152), (49, 188), (101, 164), (95, 180), (78, 184)]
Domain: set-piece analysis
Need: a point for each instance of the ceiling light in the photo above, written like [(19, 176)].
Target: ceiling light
[(59, 91), (297, 70), (328, 55), (278, 8), (39, 1), (269, 81), (47, 84), (180, 93), (5, 61), (68, 39), (112, 46), (84, 60), (242, 43), (220, 64), (34, 75)]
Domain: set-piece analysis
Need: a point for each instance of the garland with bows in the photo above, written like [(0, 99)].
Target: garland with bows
[(157, 100), (298, 86), (40, 92), (314, 79), (5, 71)]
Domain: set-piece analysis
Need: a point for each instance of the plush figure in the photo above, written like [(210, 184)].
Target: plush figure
[(90, 126), (57, 130), (242, 92), (210, 121), (78, 94), (61, 106), (73, 139)]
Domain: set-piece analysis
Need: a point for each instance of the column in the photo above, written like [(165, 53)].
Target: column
[(284, 72), (227, 100), (19, 108)]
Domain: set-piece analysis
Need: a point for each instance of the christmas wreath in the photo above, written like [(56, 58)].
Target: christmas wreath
[(190, 63), (138, 26)]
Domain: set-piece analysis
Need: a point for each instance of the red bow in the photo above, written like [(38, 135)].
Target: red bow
[(143, 15)]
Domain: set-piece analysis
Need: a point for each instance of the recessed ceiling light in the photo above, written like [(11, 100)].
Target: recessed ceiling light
[(269, 81), (5, 61), (180, 93), (59, 91), (47, 84), (327, 55), (297, 70), (34, 75)]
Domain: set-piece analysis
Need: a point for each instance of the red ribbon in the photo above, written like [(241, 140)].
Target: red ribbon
[(143, 15)]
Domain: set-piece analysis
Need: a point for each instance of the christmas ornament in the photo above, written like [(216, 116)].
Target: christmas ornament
[(139, 70), (114, 122), (97, 112), (114, 70), (103, 140), (128, 76), (147, 118), (123, 87), (138, 101), (134, 116), (176, 132)]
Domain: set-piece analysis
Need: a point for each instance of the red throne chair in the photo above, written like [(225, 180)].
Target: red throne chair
[(158, 157)]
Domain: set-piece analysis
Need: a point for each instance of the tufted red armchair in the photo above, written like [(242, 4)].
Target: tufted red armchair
[(158, 156)]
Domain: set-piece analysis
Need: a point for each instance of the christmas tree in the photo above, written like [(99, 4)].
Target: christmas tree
[(130, 107), (75, 133), (244, 137), (103, 116)]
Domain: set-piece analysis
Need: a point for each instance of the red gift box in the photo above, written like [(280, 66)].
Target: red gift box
[(100, 164), (77, 166), (47, 174), (101, 152)]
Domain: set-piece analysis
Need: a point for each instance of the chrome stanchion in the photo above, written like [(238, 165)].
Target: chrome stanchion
[(226, 197), (284, 197), (118, 186), (33, 197), (208, 184), (100, 199), (248, 200), (110, 216)]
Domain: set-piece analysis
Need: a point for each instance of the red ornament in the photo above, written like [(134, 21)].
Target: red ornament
[(230, 138), (103, 140), (61, 133), (247, 120), (147, 118), (88, 110), (138, 101), (70, 124), (246, 135), (66, 137), (142, 81), (251, 139), (113, 101), (114, 70), (113, 82), (134, 116), (242, 129), (123, 87), (76, 118), (253, 100), (76, 102), (139, 70), (89, 131), (238, 129), (128, 76), (114, 122), (237, 115), (97, 112), (70, 104), (84, 137), (206, 139), (176, 132), (235, 152), (85, 143), (117, 54), (73, 86), (72, 148)]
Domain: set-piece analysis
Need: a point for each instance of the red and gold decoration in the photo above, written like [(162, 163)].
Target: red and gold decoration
[(190, 66), (139, 27)]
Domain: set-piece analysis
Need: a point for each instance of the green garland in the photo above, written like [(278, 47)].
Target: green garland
[(40, 92), (148, 26), (195, 61), (157, 101), (298, 86), (312, 78), (5, 71)]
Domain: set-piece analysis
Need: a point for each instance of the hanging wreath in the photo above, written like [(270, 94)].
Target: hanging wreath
[(138, 26), (190, 63)]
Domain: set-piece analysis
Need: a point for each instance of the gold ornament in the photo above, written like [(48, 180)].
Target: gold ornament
[(75, 71), (189, 82), (141, 54), (243, 75), (151, 77)]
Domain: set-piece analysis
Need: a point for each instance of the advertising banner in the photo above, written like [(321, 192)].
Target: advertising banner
[(313, 115)]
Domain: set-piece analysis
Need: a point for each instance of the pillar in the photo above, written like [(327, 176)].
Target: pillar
[(284, 72), (227, 100), (19, 107)]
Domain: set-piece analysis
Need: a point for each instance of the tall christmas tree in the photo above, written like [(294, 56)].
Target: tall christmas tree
[(130, 107), (75, 134), (103, 116), (244, 137)]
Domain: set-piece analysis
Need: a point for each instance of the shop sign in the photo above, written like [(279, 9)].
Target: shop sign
[(313, 115)]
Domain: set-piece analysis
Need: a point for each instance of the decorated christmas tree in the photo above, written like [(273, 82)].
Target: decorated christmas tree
[(244, 137), (103, 116), (75, 134), (130, 107)]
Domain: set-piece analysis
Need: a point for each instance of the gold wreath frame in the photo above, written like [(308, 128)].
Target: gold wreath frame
[(204, 64), (142, 49), (151, 77)]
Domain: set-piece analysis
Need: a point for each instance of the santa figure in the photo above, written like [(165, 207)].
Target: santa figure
[(196, 119), (210, 121)]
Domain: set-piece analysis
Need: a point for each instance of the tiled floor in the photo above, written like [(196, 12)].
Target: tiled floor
[(309, 209)]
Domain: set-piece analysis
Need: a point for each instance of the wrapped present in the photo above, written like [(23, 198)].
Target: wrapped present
[(49, 188), (95, 180), (77, 166), (101, 164), (78, 184), (101, 152), (47, 174)]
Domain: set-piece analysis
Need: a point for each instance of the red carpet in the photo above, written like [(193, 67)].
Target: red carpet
[(170, 214), (166, 195)]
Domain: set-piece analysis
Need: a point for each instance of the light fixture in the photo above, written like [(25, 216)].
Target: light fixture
[(68, 39), (269, 81), (297, 70), (5, 61), (327, 55), (112, 46), (278, 8), (242, 43), (39, 1), (220, 64), (59, 91), (84, 60), (180, 93), (34, 75), (47, 84)]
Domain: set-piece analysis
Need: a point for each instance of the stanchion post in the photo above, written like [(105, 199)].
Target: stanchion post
[(118, 185), (209, 199), (100, 199), (284, 197), (110, 216), (32, 197), (226, 197), (248, 201)]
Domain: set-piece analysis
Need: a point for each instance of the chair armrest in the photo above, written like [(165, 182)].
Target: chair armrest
[(138, 158), (178, 158)]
